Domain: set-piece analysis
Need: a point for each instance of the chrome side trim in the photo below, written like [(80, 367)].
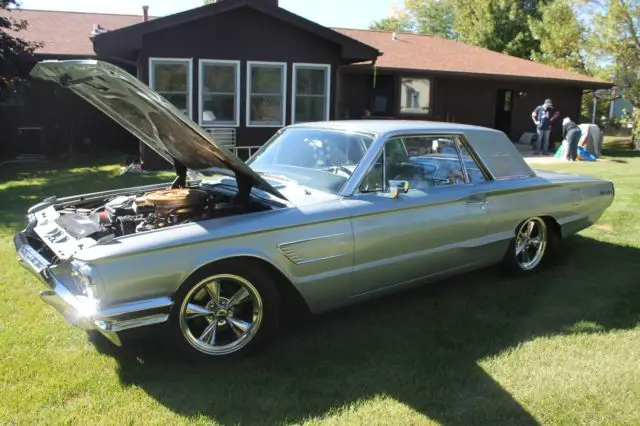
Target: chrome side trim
[(116, 326), (288, 250)]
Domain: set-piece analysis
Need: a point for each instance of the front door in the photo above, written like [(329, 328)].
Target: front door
[(504, 108), (436, 227)]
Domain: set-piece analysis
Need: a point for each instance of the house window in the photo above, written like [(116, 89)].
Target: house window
[(171, 78), (266, 91), (310, 98), (415, 95), (219, 93)]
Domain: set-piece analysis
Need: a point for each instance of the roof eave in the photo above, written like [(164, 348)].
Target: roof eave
[(131, 36), (586, 84)]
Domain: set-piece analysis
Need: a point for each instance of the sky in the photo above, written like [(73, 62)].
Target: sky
[(331, 13)]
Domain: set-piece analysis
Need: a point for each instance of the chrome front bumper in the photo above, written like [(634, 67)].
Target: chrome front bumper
[(82, 311)]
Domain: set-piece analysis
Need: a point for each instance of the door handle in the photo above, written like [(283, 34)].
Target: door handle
[(477, 199)]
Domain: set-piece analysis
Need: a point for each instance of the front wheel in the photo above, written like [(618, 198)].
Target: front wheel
[(529, 246), (225, 311)]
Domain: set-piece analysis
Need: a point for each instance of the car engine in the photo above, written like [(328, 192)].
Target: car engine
[(126, 215), (63, 231)]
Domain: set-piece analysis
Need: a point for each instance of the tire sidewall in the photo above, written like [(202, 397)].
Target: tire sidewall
[(263, 282), (511, 260)]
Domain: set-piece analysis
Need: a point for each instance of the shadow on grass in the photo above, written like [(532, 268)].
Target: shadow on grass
[(419, 347), (620, 153)]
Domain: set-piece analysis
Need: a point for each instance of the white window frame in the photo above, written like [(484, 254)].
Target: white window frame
[(302, 65), (189, 63), (202, 63), (283, 65)]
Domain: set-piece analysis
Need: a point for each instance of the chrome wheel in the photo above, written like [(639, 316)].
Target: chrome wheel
[(531, 243), (221, 314)]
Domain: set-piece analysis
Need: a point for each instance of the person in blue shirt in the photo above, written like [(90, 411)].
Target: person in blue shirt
[(543, 116)]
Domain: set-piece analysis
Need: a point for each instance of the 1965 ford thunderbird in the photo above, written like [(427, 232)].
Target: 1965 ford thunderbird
[(331, 213)]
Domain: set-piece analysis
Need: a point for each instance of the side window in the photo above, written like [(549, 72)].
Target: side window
[(423, 161), (474, 171)]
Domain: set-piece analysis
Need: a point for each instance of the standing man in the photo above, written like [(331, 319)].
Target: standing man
[(543, 116)]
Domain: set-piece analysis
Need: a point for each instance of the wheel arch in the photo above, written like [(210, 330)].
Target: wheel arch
[(552, 224), (549, 220), (288, 292)]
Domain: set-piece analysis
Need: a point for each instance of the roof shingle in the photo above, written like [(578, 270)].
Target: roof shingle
[(420, 52), (67, 33)]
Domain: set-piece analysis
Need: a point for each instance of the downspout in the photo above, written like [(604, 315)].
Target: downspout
[(338, 99), (372, 100)]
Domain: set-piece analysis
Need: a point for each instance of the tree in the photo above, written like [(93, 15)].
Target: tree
[(617, 39), (560, 35), (499, 25), (392, 23), (428, 17), (12, 50)]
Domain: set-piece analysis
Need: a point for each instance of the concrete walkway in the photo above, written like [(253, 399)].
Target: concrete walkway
[(527, 152)]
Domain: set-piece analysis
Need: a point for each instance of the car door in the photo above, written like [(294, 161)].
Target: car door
[(435, 227)]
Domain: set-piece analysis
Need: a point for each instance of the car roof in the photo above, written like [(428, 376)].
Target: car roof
[(386, 126)]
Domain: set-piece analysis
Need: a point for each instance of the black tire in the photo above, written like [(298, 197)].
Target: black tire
[(516, 264), (262, 295)]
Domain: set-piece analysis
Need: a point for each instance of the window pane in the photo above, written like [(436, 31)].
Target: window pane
[(179, 100), (170, 77), (423, 161), (415, 95), (266, 79), (219, 108), (310, 108), (311, 81), (219, 78), (473, 170), (266, 110)]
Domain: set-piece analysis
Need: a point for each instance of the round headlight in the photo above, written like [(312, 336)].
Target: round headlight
[(82, 279)]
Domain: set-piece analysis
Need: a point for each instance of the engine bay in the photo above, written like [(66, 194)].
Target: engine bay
[(64, 230)]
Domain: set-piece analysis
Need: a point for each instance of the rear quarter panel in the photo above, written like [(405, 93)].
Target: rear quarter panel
[(575, 202)]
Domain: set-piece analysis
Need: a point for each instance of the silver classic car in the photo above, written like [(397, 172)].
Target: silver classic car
[(333, 213)]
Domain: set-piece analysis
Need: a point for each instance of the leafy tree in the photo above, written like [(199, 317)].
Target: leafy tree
[(392, 23), (617, 40), (499, 25), (429, 17), (561, 36), (12, 50)]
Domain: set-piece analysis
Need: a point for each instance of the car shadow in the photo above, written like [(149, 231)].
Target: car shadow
[(420, 347)]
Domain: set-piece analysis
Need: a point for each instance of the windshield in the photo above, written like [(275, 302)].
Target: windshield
[(321, 159)]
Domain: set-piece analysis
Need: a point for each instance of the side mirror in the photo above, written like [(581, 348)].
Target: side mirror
[(397, 187)]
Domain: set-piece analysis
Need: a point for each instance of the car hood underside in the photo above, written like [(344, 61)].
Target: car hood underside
[(148, 116)]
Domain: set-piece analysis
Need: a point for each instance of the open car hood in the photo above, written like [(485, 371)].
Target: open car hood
[(147, 115)]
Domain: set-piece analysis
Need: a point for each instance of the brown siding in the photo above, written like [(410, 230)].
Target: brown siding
[(473, 101), (244, 35), (65, 119)]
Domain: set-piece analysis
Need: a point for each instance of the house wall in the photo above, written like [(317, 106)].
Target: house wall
[(67, 124), (245, 35), (470, 100)]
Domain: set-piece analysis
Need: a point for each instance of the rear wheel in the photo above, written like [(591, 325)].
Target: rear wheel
[(225, 311), (529, 247)]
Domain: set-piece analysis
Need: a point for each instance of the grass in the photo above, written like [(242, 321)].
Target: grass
[(560, 347)]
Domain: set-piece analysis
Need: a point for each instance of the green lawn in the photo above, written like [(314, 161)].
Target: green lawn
[(558, 348)]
